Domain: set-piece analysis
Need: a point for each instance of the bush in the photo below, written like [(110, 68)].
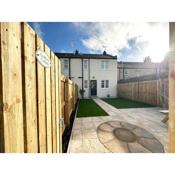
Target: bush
[(108, 96), (82, 91)]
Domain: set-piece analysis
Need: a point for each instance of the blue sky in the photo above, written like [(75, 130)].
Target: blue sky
[(129, 41), (60, 36)]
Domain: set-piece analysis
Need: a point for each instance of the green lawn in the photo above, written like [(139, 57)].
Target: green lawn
[(87, 108), (125, 103)]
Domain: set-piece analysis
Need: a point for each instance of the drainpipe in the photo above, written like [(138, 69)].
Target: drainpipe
[(123, 73), (82, 74), (89, 76)]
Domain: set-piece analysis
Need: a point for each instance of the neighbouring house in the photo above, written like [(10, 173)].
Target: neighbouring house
[(95, 74), (127, 70)]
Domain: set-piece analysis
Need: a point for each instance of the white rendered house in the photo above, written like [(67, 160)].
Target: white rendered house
[(96, 74)]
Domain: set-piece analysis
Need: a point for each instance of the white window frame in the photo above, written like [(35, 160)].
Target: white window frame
[(66, 66), (85, 63), (104, 64), (85, 84), (104, 84)]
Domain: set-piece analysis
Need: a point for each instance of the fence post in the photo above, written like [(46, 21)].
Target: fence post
[(74, 99), (172, 103), (61, 119)]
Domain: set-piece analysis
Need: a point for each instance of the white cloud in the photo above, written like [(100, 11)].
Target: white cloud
[(113, 37), (37, 28)]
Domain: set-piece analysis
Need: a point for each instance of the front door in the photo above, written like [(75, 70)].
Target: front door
[(93, 87)]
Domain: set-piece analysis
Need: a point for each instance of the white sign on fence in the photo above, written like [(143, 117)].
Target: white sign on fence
[(43, 59)]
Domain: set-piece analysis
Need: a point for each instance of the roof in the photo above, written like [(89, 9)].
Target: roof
[(83, 55), (137, 65)]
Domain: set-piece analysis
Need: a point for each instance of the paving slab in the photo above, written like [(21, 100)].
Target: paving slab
[(85, 137)]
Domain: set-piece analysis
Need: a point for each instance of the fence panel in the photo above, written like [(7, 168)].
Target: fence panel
[(33, 98), (143, 91)]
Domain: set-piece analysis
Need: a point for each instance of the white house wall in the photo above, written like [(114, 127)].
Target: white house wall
[(96, 73), (76, 72), (109, 74)]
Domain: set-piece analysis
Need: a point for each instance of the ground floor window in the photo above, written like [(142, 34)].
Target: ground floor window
[(85, 84), (104, 83)]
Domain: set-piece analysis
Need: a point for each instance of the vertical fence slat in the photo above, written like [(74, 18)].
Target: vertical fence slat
[(1, 102), (41, 100), (60, 107), (12, 87), (67, 101), (29, 76), (48, 104), (54, 139), (57, 105)]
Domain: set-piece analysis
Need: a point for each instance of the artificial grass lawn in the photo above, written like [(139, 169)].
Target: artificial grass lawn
[(125, 103), (88, 108)]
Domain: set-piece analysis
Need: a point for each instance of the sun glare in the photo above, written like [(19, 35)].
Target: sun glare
[(157, 49)]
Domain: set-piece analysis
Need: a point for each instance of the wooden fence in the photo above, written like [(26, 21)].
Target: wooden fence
[(33, 100), (144, 91), (69, 98)]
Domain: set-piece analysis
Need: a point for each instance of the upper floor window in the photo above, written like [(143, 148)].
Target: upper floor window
[(126, 72), (104, 65), (66, 64), (85, 64)]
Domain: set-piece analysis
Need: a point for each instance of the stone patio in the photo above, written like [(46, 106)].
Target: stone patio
[(84, 137)]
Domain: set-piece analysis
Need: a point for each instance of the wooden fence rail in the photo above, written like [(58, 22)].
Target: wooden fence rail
[(33, 99), (143, 91)]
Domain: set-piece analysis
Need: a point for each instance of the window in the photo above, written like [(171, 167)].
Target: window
[(104, 65), (107, 83), (85, 84), (66, 64), (126, 72), (104, 83), (85, 64)]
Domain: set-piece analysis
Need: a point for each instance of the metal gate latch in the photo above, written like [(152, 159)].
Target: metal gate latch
[(61, 122)]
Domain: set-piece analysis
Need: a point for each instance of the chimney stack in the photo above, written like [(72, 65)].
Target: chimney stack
[(104, 53), (76, 52)]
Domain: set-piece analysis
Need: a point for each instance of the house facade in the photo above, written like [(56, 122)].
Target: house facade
[(96, 74), (127, 70)]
